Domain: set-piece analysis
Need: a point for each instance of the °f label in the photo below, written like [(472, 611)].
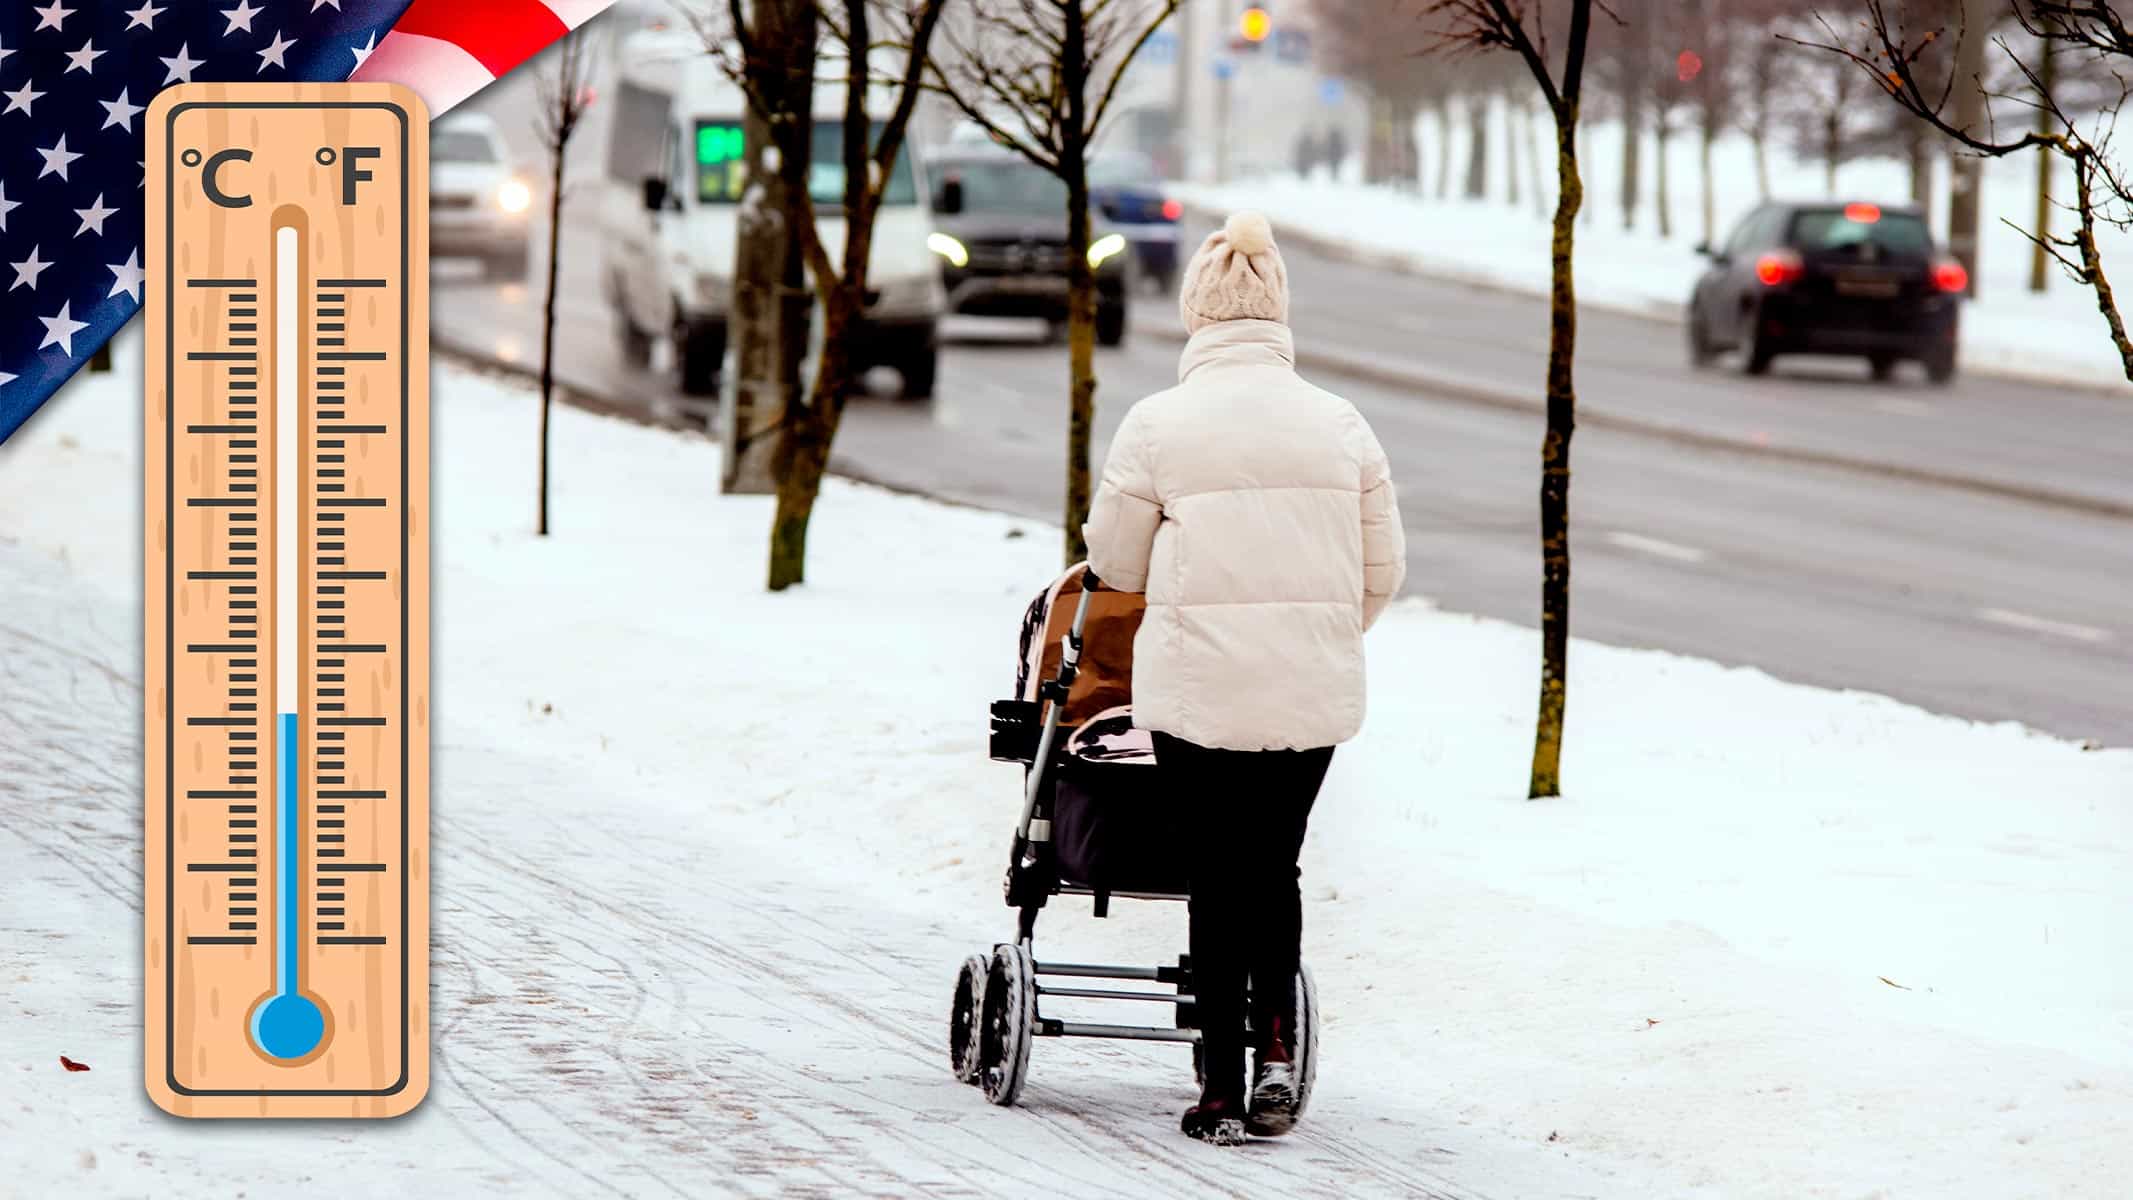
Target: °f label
[(287, 463)]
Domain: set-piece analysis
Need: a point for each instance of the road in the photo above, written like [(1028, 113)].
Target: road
[(1955, 596), (1959, 600)]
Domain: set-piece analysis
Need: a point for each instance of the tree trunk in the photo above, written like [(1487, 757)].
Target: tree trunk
[(1965, 174), (1081, 279), (1832, 146), (1663, 132), (1377, 142), (2039, 261), (1444, 148), (1477, 148), (1707, 193), (1562, 402), (1632, 132), (1533, 160), (555, 242), (770, 302), (1920, 153), (804, 444), (1510, 152)]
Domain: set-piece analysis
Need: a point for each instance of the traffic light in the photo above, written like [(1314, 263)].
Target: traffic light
[(1254, 24)]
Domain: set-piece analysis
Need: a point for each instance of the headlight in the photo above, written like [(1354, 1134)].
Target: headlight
[(948, 248), (1105, 247), (514, 196)]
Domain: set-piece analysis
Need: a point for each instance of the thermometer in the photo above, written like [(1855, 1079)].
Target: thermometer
[(286, 601)]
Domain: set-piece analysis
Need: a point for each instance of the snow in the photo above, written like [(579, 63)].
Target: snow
[(707, 860), (2055, 337)]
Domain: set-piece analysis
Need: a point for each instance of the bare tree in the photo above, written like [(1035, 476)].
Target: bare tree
[(769, 313), (1518, 26), (1039, 76), (1351, 42), (2090, 31), (563, 91), (867, 158)]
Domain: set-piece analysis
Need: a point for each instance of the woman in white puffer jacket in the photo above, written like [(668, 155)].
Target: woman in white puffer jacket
[(1257, 513)]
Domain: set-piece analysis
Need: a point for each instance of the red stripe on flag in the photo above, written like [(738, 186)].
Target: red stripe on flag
[(500, 34)]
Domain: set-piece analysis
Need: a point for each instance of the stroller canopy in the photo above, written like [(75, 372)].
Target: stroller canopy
[(1098, 711)]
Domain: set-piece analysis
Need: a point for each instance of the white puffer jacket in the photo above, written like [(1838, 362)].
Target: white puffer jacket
[(1257, 513)]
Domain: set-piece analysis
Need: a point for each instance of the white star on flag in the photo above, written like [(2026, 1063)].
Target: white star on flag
[(27, 271), (57, 159), (94, 216), (79, 60), (143, 17), (5, 379), (319, 4), (20, 99), (4, 52), (273, 52), (51, 15), (181, 67), (128, 276), (240, 17), (364, 51), (121, 111), (6, 206), (59, 329)]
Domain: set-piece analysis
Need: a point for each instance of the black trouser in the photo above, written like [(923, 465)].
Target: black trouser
[(1245, 817)]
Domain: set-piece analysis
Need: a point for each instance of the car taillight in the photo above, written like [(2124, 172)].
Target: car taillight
[(1779, 266), (1949, 276), (1172, 210)]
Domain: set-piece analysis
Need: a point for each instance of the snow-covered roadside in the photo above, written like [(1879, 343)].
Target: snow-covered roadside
[(1778, 941), (2056, 337)]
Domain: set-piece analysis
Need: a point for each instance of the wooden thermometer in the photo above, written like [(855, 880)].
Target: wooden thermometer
[(286, 600)]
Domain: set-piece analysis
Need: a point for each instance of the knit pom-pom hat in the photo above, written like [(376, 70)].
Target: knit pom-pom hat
[(1236, 275)]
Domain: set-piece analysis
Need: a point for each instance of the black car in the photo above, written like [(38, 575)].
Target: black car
[(1000, 231), (1852, 279)]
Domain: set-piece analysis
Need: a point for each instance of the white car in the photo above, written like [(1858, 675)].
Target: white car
[(478, 205), (676, 173)]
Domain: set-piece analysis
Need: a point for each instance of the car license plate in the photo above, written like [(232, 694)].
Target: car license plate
[(1034, 285), (1880, 289)]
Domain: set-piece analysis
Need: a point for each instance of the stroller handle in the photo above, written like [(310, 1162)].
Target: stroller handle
[(1062, 684)]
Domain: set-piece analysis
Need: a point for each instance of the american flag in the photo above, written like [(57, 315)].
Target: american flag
[(75, 78)]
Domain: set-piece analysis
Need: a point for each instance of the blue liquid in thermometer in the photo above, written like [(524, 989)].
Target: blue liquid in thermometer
[(290, 1025)]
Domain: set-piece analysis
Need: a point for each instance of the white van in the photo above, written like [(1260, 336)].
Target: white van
[(675, 176)]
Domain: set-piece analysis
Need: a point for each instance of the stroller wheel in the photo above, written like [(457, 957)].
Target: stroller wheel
[(1306, 1055), (963, 1019), (1009, 1021)]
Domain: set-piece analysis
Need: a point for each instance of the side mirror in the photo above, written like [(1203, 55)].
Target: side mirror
[(950, 200), (655, 194)]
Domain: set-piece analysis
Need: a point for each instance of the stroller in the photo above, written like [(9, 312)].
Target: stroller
[(1095, 822)]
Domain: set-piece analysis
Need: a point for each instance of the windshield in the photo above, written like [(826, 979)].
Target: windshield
[(1851, 229), (1010, 186), (461, 145), (1121, 170), (722, 170)]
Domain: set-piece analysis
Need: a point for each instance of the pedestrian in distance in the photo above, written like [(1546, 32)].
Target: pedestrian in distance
[(1257, 513)]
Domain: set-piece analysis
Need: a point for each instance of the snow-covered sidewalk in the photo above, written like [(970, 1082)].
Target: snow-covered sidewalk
[(706, 863)]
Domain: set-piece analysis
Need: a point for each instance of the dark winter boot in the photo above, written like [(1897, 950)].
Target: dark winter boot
[(1214, 1121), (1274, 1097)]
